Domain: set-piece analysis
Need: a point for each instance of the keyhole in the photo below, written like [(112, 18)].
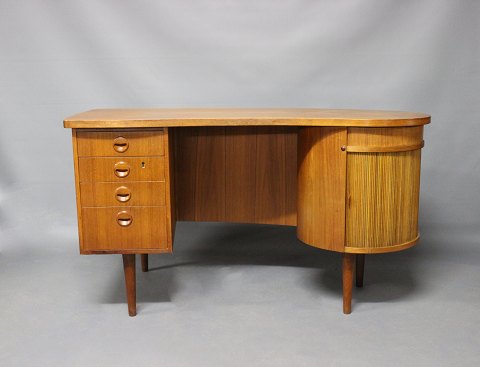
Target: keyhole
[(143, 164)]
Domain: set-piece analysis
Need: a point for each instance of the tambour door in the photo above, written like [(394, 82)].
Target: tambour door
[(383, 184)]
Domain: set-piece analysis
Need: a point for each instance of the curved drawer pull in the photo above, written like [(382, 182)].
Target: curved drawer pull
[(384, 149), (120, 144), (124, 218), (121, 169), (123, 194)]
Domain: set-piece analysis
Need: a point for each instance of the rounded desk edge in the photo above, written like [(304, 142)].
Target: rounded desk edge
[(132, 118)]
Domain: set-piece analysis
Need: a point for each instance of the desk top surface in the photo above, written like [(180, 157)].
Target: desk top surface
[(171, 117)]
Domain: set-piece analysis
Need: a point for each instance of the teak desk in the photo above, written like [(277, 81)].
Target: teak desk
[(348, 180)]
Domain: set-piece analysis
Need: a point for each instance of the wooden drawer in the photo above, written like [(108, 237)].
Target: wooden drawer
[(122, 194), (100, 169), (120, 143), (124, 228)]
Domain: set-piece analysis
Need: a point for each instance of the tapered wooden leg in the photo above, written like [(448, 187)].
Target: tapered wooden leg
[(130, 283), (347, 275), (144, 259), (359, 269)]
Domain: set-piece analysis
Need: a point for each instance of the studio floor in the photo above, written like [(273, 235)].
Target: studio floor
[(237, 295)]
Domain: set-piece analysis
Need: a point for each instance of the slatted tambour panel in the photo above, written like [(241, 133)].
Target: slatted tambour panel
[(236, 174), (382, 200), (170, 187)]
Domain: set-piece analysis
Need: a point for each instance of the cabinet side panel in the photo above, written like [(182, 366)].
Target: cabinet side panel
[(77, 187), (170, 185), (291, 158), (382, 199), (321, 187), (185, 172)]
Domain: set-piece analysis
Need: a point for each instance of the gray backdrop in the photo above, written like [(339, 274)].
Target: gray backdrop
[(58, 58)]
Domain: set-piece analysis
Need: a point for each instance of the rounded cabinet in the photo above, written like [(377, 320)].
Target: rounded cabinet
[(358, 188)]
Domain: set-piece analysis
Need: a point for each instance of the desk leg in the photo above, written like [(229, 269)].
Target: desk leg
[(144, 258), (130, 283), (347, 275), (359, 269)]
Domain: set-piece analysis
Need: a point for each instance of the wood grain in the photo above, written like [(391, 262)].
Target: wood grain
[(185, 172), (102, 169), (210, 175), (383, 149), (382, 250), (382, 199), (240, 177), (148, 185), (358, 178), (321, 187), (141, 193), (270, 163), (139, 143), (77, 185), (385, 137), (291, 164), (169, 142), (148, 230), (168, 117), (238, 174)]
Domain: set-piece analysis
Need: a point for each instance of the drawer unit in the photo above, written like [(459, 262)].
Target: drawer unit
[(127, 228), (112, 169), (122, 194), (120, 143), (124, 191)]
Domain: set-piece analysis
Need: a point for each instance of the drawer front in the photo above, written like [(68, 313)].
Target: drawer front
[(124, 228), (99, 169), (122, 194), (120, 143)]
